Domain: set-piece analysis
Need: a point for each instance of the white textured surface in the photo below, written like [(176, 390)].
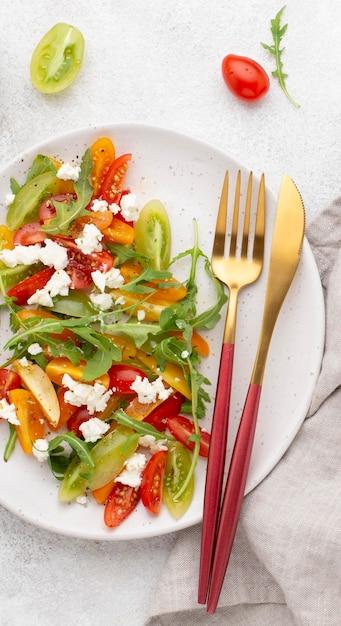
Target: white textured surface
[(158, 62)]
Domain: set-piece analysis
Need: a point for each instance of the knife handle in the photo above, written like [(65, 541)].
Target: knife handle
[(234, 493)]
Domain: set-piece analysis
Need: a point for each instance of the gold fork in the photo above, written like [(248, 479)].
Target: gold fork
[(235, 271)]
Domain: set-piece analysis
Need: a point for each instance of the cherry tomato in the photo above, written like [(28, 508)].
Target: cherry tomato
[(171, 406), (29, 234), (27, 287), (182, 428), (101, 220), (122, 376), (81, 265), (66, 409), (114, 178), (57, 58), (245, 77), (117, 200), (103, 154), (80, 416), (47, 210), (152, 482), (121, 502), (8, 380)]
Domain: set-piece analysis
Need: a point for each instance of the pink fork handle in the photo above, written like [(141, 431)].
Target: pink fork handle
[(234, 493), (215, 468)]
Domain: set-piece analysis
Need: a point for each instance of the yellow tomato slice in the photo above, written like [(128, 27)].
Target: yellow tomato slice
[(32, 425), (172, 374), (103, 154), (56, 368), (119, 232)]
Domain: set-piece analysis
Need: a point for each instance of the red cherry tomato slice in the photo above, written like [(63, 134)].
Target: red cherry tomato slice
[(245, 77), (80, 416), (121, 502), (8, 380), (152, 482), (27, 287), (29, 234), (122, 376), (47, 210), (114, 178), (182, 428), (81, 265), (172, 406)]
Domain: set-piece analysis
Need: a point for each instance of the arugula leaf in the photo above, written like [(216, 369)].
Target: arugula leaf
[(140, 427), (137, 331), (124, 253), (11, 441), (66, 213), (40, 165), (209, 318), (14, 185), (278, 31), (79, 446), (147, 275), (102, 357)]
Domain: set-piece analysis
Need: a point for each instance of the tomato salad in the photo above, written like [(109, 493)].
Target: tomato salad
[(103, 381)]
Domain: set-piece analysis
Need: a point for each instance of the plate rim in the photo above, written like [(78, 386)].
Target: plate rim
[(273, 460)]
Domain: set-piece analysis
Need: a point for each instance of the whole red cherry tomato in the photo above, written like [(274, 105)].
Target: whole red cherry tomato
[(245, 77)]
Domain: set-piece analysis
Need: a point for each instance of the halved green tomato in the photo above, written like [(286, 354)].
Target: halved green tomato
[(153, 234), (177, 467), (27, 200), (109, 455), (57, 58)]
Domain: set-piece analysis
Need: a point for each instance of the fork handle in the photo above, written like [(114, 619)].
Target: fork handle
[(234, 493), (215, 468)]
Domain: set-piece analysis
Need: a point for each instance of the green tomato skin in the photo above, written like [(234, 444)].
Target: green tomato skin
[(57, 58), (109, 455), (10, 276), (153, 234), (178, 464), (27, 200), (77, 304)]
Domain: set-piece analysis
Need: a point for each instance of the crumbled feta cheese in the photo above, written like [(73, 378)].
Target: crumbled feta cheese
[(129, 209), (41, 297), (114, 208), (140, 315), (9, 198), (59, 284), (69, 172), (102, 301), (21, 255), (93, 429), (53, 255), (34, 348), (184, 354), (120, 301), (94, 397), (149, 392), (40, 450), (8, 412), (132, 472), (23, 361), (112, 279), (98, 206), (155, 445), (82, 500), (89, 241)]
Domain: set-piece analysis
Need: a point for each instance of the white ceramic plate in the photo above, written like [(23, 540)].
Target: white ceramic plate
[(187, 175)]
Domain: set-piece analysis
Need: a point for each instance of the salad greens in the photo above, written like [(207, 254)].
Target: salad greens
[(278, 31)]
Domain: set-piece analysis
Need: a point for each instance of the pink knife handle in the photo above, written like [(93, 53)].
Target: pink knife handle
[(215, 468), (234, 493)]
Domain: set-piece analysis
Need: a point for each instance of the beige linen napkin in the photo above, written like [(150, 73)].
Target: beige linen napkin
[(285, 567)]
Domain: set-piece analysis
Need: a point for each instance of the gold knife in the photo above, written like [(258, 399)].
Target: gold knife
[(286, 250)]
